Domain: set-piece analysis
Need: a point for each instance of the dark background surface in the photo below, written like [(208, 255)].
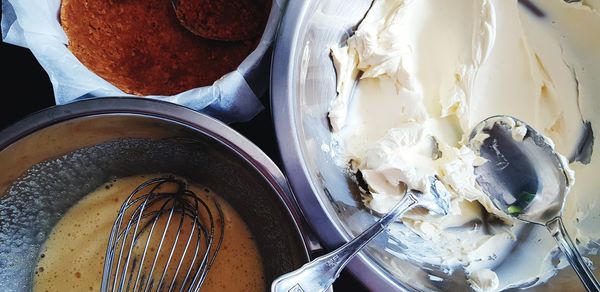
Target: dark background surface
[(26, 89)]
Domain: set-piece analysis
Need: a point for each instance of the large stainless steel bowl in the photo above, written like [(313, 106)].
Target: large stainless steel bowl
[(50, 160), (303, 85)]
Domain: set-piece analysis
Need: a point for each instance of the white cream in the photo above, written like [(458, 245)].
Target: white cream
[(430, 70), (484, 280), (345, 61)]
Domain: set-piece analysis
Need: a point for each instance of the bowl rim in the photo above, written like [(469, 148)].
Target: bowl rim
[(284, 116), (171, 113)]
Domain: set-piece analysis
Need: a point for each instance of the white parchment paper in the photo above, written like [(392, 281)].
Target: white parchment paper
[(34, 24)]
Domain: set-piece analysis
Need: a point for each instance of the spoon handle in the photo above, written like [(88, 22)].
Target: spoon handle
[(558, 231), (320, 273)]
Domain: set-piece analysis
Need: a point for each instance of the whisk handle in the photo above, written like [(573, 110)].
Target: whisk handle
[(319, 274)]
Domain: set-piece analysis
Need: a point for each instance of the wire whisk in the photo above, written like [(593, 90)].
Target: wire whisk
[(165, 238)]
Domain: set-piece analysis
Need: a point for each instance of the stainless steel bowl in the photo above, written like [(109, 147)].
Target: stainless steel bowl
[(55, 157), (303, 85)]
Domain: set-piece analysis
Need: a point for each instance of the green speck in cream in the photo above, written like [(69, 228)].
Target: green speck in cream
[(514, 210)]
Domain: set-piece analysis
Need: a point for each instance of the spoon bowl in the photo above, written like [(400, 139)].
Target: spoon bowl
[(525, 177)]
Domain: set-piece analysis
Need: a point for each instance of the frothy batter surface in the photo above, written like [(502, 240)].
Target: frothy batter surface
[(73, 256)]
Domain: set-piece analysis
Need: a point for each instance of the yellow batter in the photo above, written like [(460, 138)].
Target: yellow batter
[(73, 255)]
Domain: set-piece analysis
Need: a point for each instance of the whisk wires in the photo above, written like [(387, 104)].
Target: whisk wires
[(165, 238)]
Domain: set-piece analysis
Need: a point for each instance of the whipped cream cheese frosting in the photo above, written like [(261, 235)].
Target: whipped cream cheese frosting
[(428, 71)]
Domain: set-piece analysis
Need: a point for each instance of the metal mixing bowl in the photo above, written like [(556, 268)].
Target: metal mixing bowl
[(53, 158), (303, 84)]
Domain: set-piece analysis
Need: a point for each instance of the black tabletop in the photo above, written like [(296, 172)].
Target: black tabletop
[(26, 88)]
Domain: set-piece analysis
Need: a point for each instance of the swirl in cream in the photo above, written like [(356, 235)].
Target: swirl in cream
[(427, 72)]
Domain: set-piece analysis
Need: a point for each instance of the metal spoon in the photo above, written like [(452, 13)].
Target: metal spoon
[(222, 20), (526, 178), (319, 274)]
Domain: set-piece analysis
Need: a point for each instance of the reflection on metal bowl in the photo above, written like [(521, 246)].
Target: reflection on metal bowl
[(303, 85), (51, 159)]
